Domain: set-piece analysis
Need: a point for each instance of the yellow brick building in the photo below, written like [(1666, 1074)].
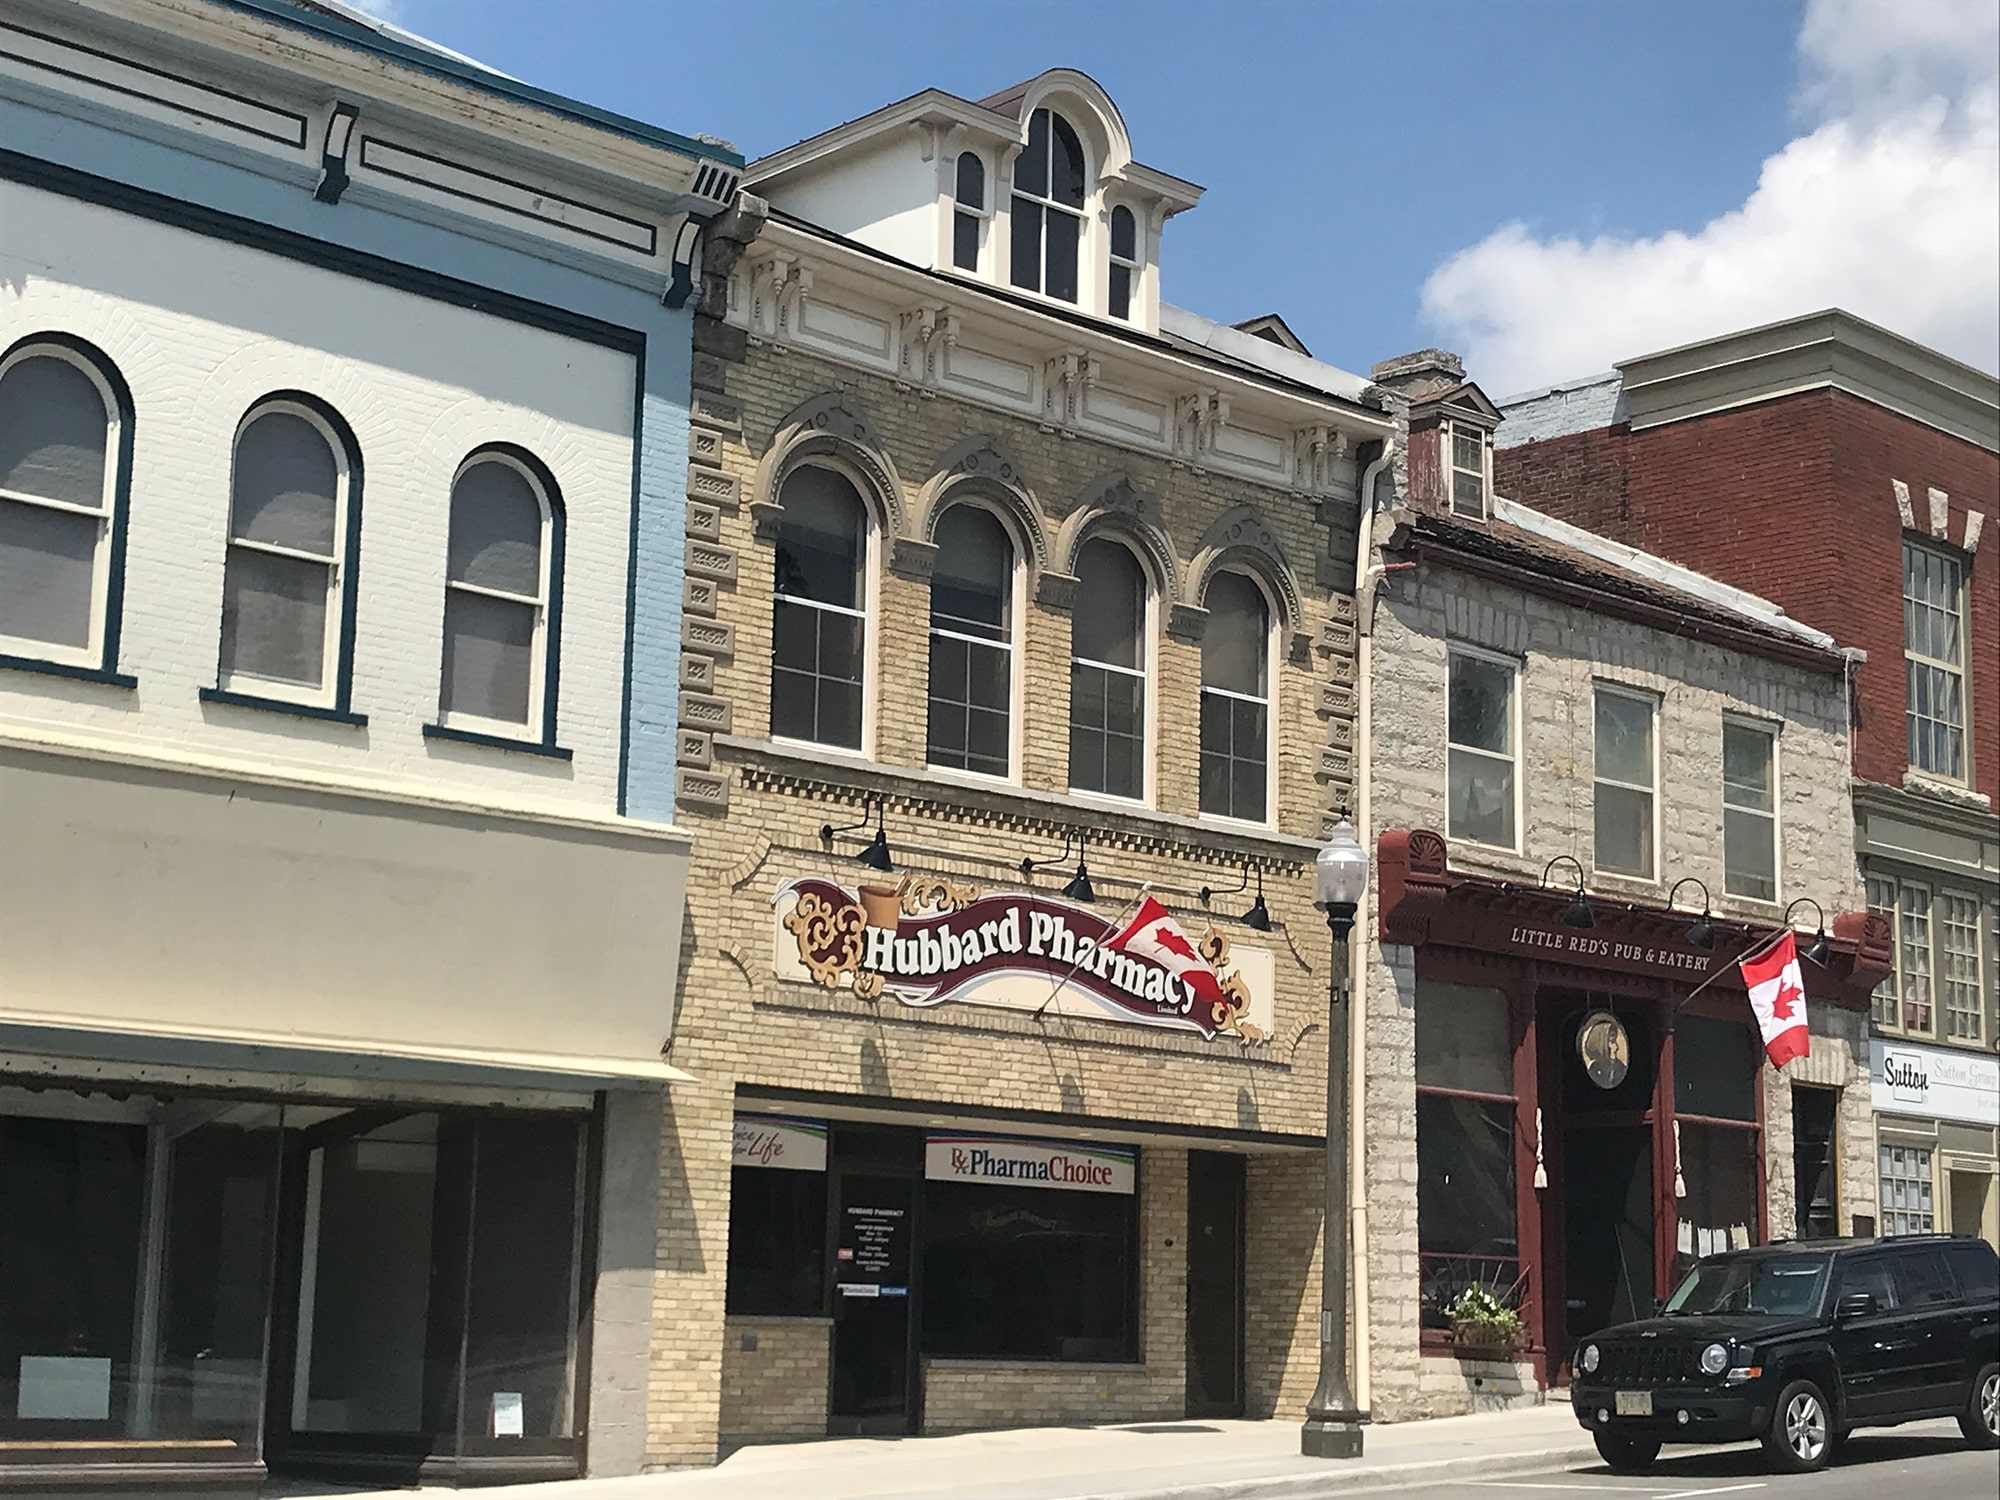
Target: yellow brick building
[(993, 558)]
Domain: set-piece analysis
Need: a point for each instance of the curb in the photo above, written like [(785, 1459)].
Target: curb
[(1344, 1480)]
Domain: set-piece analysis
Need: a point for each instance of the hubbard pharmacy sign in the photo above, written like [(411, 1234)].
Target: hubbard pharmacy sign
[(928, 942)]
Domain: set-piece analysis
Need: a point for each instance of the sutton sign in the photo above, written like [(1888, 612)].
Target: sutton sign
[(929, 942)]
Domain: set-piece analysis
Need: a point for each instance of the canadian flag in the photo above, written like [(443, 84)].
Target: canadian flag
[(1152, 933), (1778, 996)]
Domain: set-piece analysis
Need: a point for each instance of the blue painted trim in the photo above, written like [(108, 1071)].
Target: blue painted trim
[(281, 706), (350, 557), (441, 65), (256, 235), (64, 669), (121, 492), (495, 741)]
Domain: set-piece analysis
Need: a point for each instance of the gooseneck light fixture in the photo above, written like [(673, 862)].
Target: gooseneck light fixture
[(1818, 949), (1079, 888), (1702, 933), (876, 854), (1258, 917), (1579, 913)]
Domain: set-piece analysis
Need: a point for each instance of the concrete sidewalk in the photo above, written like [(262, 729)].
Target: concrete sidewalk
[(1144, 1461)]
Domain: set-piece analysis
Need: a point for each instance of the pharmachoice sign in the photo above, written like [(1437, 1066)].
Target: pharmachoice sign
[(1003, 1161)]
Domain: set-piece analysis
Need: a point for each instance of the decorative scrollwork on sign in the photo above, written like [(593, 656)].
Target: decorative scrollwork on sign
[(829, 937), (1213, 946), (926, 895), (868, 985)]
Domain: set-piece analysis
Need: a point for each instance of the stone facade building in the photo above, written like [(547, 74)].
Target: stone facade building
[(1877, 461), (1596, 780), (323, 763), (1018, 613)]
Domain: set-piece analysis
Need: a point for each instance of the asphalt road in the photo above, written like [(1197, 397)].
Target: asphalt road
[(1924, 1461)]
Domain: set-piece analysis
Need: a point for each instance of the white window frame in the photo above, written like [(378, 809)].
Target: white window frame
[(985, 216), (1270, 702), (1452, 431), (90, 655), (1514, 668), (248, 684), (1770, 732), (870, 615), (1928, 946), (1955, 670), (1653, 705), (1885, 896), (1149, 671), (1941, 986), (1885, 1147), (1017, 603), (1086, 238), (538, 650), (1889, 887), (1136, 265)]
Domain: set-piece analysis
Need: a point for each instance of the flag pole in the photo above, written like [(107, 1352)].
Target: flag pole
[(1145, 886), (1758, 948)]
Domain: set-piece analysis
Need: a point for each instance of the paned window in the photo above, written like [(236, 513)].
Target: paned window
[(1124, 261), (1882, 901), (1907, 1205), (1625, 779), (1468, 471), (1716, 1135), (1749, 811), (1236, 700), (502, 567), (1934, 659), (1913, 955), (1467, 1212), (968, 218), (1048, 207), (818, 617), (1483, 753), (281, 582), (57, 429), (1107, 674), (972, 643), (1958, 967)]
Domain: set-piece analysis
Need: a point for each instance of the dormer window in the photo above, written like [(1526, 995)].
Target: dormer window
[(1048, 208), (1468, 471), (1124, 261), (967, 218)]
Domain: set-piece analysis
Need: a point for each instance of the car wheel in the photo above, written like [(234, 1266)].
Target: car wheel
[(1626, 1455), (1800, 1437), (1980, 1421)]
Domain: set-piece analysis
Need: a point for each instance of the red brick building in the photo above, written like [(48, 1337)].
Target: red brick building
[(1848, 475)]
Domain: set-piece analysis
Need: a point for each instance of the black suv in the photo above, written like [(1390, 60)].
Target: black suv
[(1798, 1344)]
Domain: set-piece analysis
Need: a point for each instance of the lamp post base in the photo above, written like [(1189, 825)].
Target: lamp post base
[(1330, 1437)]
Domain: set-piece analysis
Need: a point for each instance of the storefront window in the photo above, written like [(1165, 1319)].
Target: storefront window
[(777, 1242), (1717, 1142), (1030, 1273), (1467, 1216), (1908, 1204)]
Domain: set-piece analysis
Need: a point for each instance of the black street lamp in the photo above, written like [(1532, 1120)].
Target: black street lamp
[(1333, 1427)]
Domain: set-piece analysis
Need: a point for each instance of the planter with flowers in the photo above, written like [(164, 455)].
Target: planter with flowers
[(1483, 1326)]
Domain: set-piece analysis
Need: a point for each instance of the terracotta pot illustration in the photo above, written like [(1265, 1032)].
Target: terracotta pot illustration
[(882, 905)]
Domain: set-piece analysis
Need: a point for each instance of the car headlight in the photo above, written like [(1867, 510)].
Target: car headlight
[(1714, 1359), (1590, 1359)]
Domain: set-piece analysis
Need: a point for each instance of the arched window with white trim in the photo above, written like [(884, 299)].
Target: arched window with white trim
[(64, 445), (1050, 185), (969, 213), (286, 573), (1124, 261), (972, 643), (1236, 700), (1107, 675), (503, 582), (819, 618)]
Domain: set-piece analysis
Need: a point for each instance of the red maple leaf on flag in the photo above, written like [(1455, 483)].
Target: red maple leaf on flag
[(1781, 1006), (1173, 942)]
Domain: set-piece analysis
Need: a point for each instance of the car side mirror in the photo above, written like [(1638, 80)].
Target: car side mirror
[(1855, 1305)]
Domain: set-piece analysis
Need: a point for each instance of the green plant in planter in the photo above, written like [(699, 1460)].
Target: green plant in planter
[(1479, 1316)]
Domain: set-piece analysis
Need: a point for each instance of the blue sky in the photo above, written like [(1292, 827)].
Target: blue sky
[(1545, 185)]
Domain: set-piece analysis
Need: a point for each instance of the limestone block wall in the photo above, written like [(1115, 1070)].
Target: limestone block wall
[(775, 1377)]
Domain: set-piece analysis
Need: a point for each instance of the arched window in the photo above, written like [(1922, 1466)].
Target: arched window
[(1048, 207), (503, 578), (58, 522), (284, 600), (972, 643), (1107, 673), (819, 621), (970, 213), (1124, 260), (1236, 700)]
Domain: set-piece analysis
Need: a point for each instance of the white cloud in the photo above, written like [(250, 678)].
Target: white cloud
[(1889, 207)]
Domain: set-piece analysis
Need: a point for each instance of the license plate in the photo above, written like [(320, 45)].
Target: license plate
[(1633, 1403)]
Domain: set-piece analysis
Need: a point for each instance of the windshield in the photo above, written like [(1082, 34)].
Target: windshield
[(1767, 1286)]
